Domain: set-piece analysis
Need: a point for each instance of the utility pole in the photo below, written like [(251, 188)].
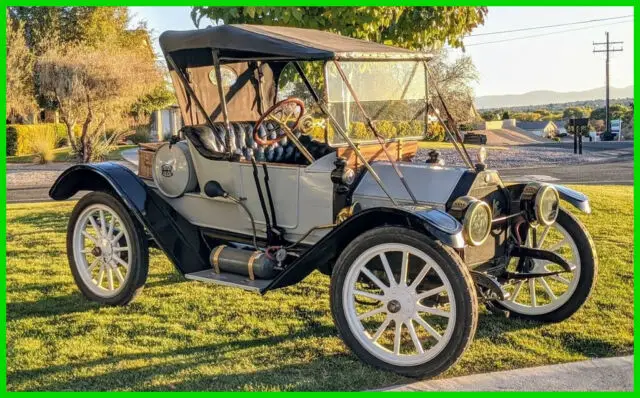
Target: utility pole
[(608, 48)]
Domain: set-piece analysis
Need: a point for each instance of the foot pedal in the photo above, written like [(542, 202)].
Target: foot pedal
[(231, 280)]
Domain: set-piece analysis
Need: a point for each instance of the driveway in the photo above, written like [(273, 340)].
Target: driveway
[(606, 374)]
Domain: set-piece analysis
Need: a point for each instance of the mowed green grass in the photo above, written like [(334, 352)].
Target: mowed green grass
[(182, 335)]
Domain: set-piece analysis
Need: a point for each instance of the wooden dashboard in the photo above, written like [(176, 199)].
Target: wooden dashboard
[(399, 151)]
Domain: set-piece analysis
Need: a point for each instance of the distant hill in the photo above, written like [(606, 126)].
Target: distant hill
[(545, 97)]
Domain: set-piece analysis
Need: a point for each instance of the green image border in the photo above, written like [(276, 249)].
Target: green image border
[(157, 3)]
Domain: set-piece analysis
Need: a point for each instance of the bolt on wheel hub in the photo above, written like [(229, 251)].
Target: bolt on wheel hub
[(394, 306)]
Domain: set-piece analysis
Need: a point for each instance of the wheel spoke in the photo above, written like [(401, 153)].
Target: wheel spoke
[(516, 291), (427, 327), (103, 223), (381, 329), (124, 263), (119, 275), (532, 291), (110, 278), (387, 269), (414, 336), (90, 237), (374, 279), (93, 264), (543, 235), (547, 289), (118, 236), (397, 337), (558, 245), (431, 292), (432, 311), (112, 225), (560, 279), (121, 249), (404, 269), (100, 275), (371, 313), (361, 293), (94, 224), (421, 275)]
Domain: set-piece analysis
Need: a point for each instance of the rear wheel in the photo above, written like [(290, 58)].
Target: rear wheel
[(555, 298), (403, 302), (107, 250)]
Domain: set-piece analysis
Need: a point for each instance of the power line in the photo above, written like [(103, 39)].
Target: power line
[(543, 34), (549, 26)]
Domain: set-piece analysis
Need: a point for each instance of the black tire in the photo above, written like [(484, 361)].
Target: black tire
[(139, 267), (588, 273), (455, 271)]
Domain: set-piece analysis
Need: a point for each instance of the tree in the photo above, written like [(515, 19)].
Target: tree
[(616, 111), (576, 112), (20, 90), (94, 87), (452, 80), (505, 115), (415, 28)]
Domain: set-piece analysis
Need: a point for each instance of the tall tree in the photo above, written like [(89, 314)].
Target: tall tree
[(20, 90), (94, 87), (408, 27)]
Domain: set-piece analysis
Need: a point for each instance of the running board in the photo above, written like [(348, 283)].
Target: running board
[(232, 280)]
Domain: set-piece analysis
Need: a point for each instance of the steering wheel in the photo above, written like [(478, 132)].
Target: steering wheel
[(282, 113)]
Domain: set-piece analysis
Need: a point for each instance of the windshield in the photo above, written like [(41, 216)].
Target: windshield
[(393, 94)]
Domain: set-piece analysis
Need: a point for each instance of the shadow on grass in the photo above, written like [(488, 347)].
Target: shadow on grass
[(48, 220)]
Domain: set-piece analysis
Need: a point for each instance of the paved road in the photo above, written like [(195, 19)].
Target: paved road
[(606, 374), (612, 173)]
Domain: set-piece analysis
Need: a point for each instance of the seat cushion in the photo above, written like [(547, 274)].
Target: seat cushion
[(212, 143)]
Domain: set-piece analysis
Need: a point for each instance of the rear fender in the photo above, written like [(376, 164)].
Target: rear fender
[(177, 237), (434, 223)]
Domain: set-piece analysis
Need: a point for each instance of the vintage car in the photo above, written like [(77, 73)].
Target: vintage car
[(256, 194)]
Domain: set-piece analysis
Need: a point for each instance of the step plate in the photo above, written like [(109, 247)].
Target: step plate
[(233, 280)]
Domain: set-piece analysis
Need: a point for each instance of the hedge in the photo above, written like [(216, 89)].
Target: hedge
[(388, 129), (21, 137)]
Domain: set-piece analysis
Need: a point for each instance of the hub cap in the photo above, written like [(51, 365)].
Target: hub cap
[(542, 295), (399, 304), (102, 250)]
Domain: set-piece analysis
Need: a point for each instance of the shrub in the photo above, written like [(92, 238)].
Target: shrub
[(386, 128), (21, 137), (435, 132), (12, 140), (43, 145), (359, 131), (142, 134)]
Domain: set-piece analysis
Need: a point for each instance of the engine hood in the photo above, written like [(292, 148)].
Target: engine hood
[(431, 185)]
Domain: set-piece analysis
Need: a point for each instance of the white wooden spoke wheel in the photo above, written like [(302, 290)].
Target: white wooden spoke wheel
[(102, 250), (403, 301), (556, 297), (107, 250), (399, 304)]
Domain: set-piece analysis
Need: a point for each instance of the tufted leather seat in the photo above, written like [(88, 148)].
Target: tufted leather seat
[(210, 143)]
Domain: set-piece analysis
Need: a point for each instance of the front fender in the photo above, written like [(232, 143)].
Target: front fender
[(577, 199), (434, 223), (174, 234)]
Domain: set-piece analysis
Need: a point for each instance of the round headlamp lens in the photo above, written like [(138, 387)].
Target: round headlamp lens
[(477, 223), (547, 205)]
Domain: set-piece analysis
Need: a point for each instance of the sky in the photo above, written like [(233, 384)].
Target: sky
[(558, 59)]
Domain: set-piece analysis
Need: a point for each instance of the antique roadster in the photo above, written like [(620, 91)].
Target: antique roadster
[(261, 187)]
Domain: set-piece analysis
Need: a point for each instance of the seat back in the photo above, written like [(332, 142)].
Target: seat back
[(211, 143)]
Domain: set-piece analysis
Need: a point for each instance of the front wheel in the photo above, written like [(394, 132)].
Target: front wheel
[(555, 298), (403, 302), (107, 250)]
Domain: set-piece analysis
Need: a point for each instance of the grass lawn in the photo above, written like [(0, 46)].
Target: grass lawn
[(182, 335), (64, 155)]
